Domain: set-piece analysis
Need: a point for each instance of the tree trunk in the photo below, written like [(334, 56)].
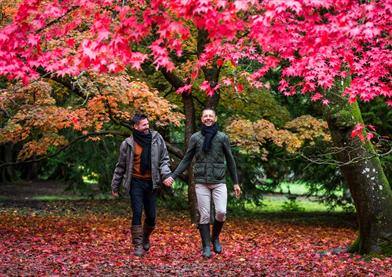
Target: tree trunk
[(365, 177), (8, 173), (190, 127), (212, 76), (30, 171)]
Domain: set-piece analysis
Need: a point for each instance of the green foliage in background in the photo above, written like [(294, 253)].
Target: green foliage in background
[(87, 167)]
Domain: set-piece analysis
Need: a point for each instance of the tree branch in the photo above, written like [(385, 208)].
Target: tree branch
[(109, 109), (174, 150), (57, 19), (172, 78), (94, 134), (67, 82), (322, 159)]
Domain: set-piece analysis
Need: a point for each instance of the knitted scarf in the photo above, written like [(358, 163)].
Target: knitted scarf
[(208, 132), (144, 140)]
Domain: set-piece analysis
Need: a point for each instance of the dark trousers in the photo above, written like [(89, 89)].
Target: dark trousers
[(142, 194)]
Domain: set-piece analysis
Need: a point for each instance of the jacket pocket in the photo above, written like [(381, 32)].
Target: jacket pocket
[(219, 171), (199, 170)]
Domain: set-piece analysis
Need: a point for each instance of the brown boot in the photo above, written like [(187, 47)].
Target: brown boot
[(137, 240), (147, 230)]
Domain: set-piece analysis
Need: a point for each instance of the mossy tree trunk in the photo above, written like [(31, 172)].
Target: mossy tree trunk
[(365, 177)]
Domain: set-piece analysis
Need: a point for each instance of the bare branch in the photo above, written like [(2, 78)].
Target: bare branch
[(324, 159), (174, 150)]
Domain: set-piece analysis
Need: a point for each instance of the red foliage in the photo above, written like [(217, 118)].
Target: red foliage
[(324, 41), (100, 245)]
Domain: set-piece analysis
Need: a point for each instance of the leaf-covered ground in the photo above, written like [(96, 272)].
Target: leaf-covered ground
[(86, 238)]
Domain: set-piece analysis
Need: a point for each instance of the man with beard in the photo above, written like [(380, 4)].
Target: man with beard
[(143, 163), (210, 148)]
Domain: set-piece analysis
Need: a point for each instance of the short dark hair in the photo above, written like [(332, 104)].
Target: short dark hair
[(208, 109), (137, 118)]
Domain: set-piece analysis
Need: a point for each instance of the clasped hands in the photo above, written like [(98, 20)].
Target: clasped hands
[(168, 181)]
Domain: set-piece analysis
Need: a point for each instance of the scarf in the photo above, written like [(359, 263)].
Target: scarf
[(208, 132), (144, 140)]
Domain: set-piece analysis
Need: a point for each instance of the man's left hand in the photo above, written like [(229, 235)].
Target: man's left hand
[(237, 191)]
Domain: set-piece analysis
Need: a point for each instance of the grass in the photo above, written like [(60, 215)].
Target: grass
[(278, 205), (99, 196), (272, 204), (57, 197), (273, 201), (297, 188)]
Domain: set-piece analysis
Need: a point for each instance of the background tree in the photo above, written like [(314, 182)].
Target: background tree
[(47, 117)]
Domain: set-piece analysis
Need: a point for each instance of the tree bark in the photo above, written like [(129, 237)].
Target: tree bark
[(8, 174), (212, 76), (30, 171), (211, 72), (190, 128), (365, 177)]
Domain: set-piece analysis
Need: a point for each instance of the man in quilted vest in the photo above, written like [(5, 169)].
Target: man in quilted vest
[(212, 151)]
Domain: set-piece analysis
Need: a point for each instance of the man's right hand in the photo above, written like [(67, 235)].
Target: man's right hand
[(114, 194)]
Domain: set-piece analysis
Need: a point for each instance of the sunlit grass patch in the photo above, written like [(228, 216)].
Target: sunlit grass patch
[(57, 197), (283, 204)]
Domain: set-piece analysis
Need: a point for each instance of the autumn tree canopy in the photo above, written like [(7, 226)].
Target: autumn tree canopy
[(321, 41), (36, 119)]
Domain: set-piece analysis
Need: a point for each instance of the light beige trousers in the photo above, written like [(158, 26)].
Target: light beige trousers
[(218, 193)]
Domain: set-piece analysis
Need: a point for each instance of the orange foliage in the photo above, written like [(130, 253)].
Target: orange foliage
[(250, 136), (8, 9), (35, 119), (307, 128)]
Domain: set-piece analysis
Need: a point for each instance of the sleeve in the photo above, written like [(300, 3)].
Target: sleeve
[(230, 159), (185, 162), (164, 161), (120, 167)]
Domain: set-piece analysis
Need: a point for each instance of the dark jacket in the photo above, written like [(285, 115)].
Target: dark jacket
[(159, 162), (209, 168)]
